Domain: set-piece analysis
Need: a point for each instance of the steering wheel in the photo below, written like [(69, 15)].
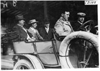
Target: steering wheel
[(87, 26)]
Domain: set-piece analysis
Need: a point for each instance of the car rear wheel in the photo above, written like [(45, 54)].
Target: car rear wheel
[(23, 64)]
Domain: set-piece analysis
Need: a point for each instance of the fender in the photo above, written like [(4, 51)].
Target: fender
[(64, 45), (34, 60)]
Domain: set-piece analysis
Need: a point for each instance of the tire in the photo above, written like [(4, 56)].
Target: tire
[(24, 64), (30, 61), (64, 48)]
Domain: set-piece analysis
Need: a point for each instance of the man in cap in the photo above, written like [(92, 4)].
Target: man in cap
[(81, 18), (63, 26), (80, 21), (20, 30), (46, 32), (83, 24), (33, 30)]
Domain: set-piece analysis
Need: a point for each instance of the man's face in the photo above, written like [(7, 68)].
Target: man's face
[(66, 16), (34, 25), (47, 25), (22, 22), (81, 19)]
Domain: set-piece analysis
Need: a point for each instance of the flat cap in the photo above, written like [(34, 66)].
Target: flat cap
[(81, 14), (66, 12)]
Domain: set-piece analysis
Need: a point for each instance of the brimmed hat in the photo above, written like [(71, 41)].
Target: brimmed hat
[(81, 14), (19, 17), (33, 21)]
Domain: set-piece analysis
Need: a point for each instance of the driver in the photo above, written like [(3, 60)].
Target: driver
[(84, 25), (79, 22)]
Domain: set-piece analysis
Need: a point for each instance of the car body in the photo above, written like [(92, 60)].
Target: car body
[(77, 50), (53, 53)]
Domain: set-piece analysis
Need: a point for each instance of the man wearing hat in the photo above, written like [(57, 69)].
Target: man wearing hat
[(33, 30), (63, 26), (83, 24), (79, 22), (46, 32), (20, 30)]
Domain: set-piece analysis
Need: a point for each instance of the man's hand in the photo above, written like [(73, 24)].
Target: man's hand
[(31, 39)]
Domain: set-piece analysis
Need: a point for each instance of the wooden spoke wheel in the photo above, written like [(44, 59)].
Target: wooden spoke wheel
[(23, 64), (79, 50)]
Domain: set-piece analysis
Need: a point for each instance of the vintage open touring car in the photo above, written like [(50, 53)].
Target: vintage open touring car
[(77, 50)]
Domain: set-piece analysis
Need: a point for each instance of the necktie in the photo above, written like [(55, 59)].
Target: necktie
[(47, 29)]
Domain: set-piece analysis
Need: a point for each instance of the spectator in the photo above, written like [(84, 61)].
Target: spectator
[(46, 32), (33, 30)]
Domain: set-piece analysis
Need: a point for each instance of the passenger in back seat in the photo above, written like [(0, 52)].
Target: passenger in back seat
[(33, 30), (20, 31), (46, 31)]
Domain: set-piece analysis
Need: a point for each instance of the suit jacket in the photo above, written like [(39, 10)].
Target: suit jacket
[(45, 35), (76, 25), (20, 33), (35, 33), (63, 27)]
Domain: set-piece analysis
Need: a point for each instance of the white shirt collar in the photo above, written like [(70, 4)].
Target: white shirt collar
[(80, 22), (47, 29)]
